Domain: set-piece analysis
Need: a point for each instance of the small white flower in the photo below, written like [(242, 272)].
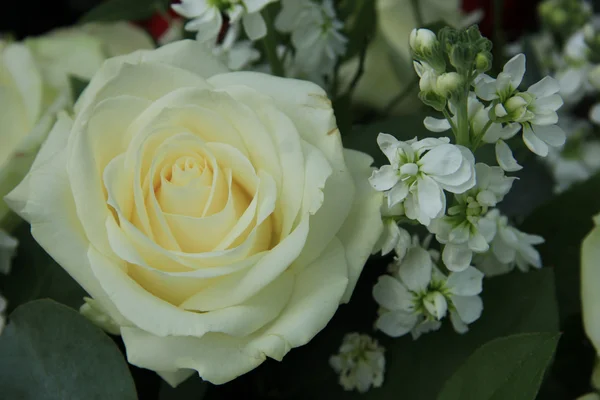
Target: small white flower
[(315, 33), (420, 171), (207, 16), (511, 247), (428, 81), (8, 249), (417, 296), (492, 185), (360, 362), (507, 82)]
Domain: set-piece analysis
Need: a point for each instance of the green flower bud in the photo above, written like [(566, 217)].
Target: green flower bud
[(483, 62), (423, 41), (449, 83), (432, 99)]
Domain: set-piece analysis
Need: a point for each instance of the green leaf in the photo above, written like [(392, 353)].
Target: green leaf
[(507, 368), (78, 85), (50, 352), (122, 10), (35, 275)]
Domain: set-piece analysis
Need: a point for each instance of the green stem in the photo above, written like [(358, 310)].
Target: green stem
[(270, 45), (452, 124), (462, 134), (417, 12)]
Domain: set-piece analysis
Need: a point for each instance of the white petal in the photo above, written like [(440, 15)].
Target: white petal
[(396, 323), (515, 67), (533, 142), (544, 88), (500, 111), (255, 26), (486, 90), (469, 308), (465, 283), (391, 235), (430, 197), (415, 270), (389, 293), (590, 276), (397, 194), (8, 247), (477, 242), (457, 323), (436, 125), (389, 146), (457, 257), (441, 160), (553, 102), (552, 134), (505, 158), (545, 118), (384, 178)]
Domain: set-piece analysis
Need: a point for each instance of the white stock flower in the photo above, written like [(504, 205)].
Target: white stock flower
[(360, 362), (8, 250), (510, 247), (534, 109), (315, 33), (418, 296), (481, 126), (464, 230), (418, 173), (207, 20)]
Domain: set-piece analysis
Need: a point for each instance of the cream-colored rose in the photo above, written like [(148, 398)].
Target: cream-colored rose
[(34, 86), (388, 63), (214, 216), (590, 279)]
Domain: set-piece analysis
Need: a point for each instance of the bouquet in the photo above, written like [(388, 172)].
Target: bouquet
[(291, 199)]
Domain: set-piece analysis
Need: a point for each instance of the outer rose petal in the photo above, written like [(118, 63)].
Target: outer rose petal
[(315, 298), (590, 277), (44, 199), (363, 227)]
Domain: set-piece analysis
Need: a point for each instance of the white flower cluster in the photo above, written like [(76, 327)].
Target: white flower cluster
[(217, 25), (416, 296), (315, 36), (360, 362), (424, 175)]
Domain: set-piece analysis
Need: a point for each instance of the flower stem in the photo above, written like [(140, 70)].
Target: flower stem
[(270, 45), (462, 134)]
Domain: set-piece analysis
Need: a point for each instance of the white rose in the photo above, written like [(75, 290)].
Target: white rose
[(214, 216), (590, 277), (34, 86), (388, 63)]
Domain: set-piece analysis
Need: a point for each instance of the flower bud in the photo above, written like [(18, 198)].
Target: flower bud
[(483, 62), (422, 41), (449, 83), (435, 303)]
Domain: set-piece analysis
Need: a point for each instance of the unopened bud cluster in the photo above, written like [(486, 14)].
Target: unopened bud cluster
[(564, 17)]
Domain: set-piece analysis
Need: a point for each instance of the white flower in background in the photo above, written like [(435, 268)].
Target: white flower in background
[(316, 35), (8, 249), (207, 17), (534, 109), (510, 247), (418, 173), (360, 362), (573, 68), (35, 80), (464, 230), (232, 52), (173, 33), (418, 296)]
